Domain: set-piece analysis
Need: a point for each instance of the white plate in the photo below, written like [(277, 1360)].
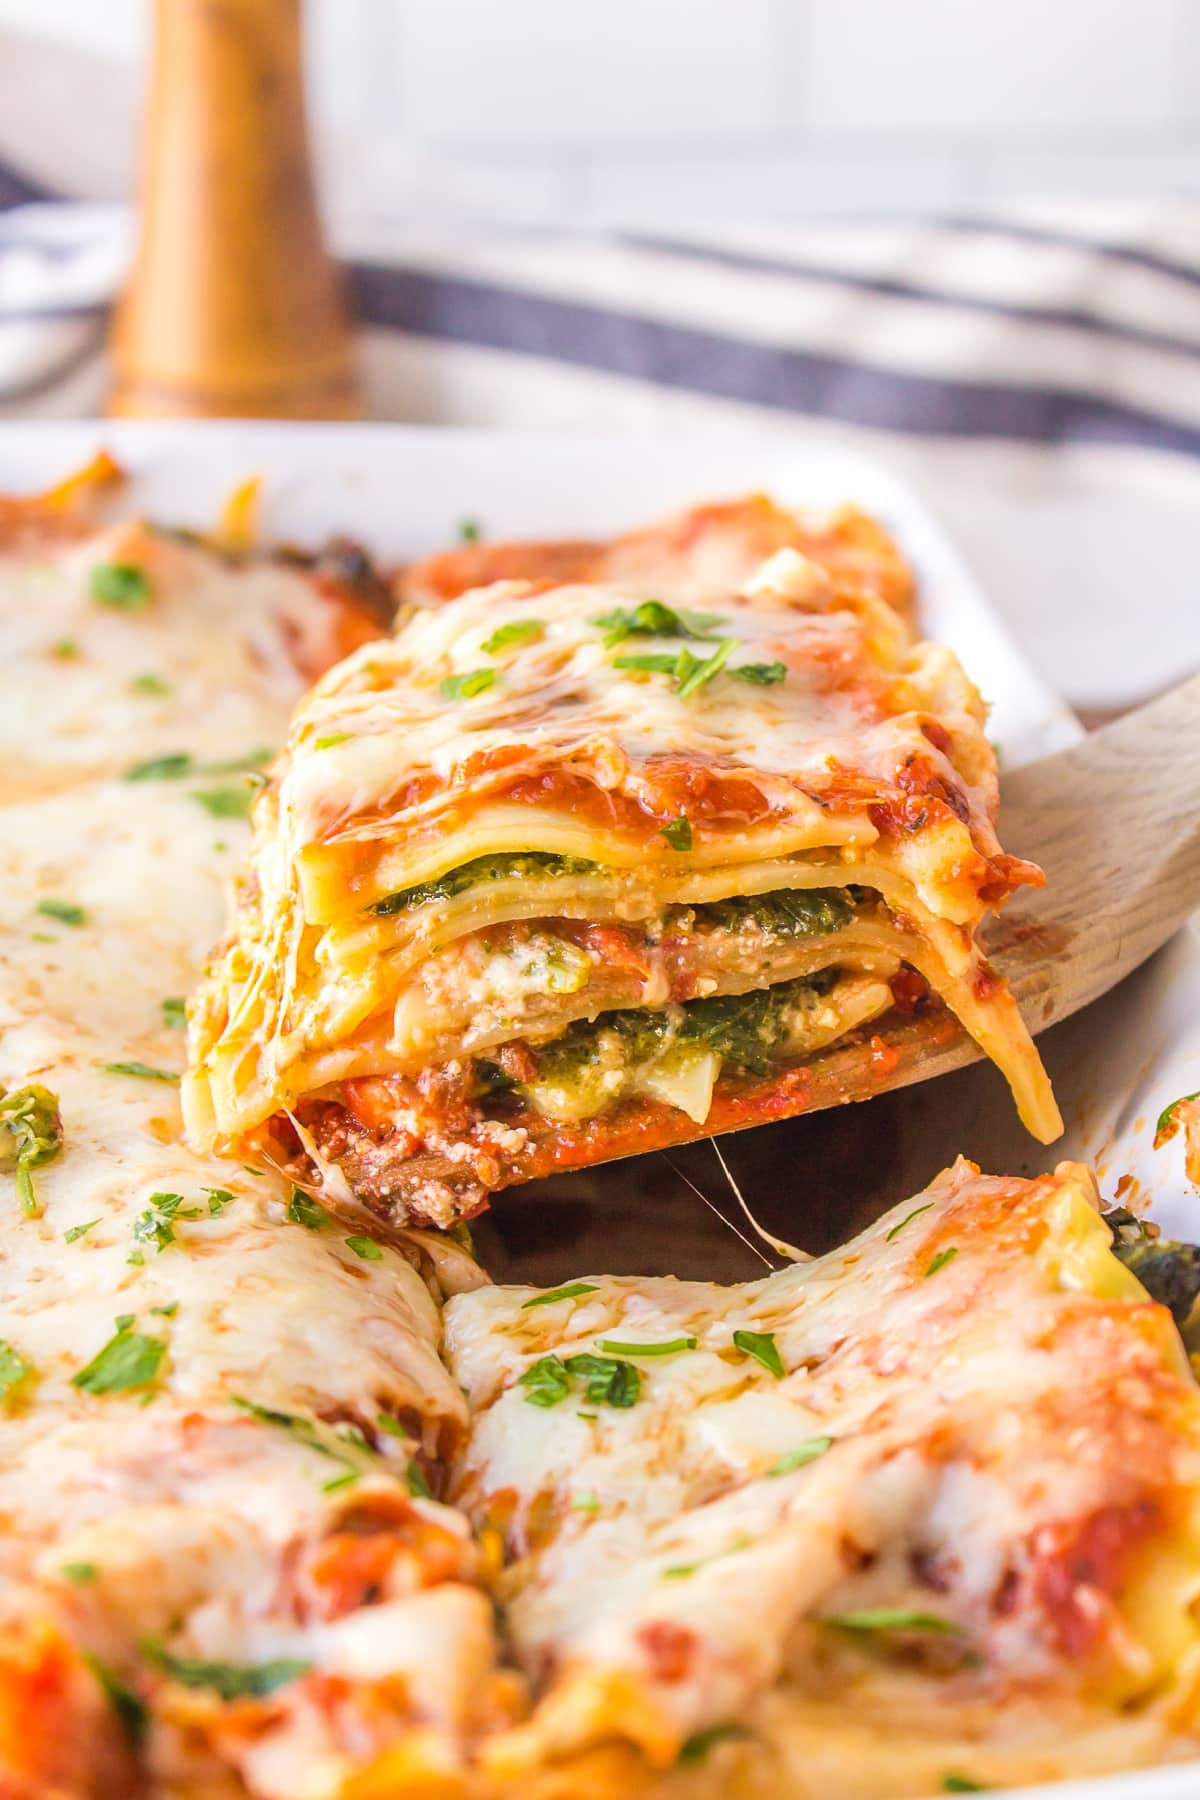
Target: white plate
[(404, 492)]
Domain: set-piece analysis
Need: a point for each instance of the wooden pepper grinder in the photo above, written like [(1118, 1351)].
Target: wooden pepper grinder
[(234, 307)]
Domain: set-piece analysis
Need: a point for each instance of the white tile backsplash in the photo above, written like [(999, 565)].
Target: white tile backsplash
[(655, 110), (925, 66), (565, 70)]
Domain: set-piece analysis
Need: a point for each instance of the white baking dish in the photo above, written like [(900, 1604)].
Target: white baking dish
[(404, 491)]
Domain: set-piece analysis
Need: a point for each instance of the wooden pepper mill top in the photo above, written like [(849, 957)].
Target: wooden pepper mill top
[(234, 307)]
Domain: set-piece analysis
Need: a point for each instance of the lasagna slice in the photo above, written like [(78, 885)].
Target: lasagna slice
[(559, 874), (699, 555), (920, 1516)]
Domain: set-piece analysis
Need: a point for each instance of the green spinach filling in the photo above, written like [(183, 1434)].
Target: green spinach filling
[(481, 868), (744, 1030)]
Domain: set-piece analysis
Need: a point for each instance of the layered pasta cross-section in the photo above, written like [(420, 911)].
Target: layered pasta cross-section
[(561, 873)]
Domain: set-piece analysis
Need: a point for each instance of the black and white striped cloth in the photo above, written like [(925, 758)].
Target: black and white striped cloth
[(1050, 358)]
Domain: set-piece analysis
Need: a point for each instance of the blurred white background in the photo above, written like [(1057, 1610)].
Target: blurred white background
[(661, 112)]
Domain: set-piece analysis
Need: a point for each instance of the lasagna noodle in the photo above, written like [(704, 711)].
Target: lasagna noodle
[(524, 732), (923, 1509), (223, 1414)]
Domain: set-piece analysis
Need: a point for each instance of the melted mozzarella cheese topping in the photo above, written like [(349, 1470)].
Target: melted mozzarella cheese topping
[(970, 1416), (194, 1369)]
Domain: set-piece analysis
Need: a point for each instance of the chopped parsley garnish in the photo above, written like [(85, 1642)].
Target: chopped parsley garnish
[(954, 1783), (697, 1747), (517, 631), (546, 1382), (570, 1292), (130, 1710), (343, 1444), (417, 1484), (465, 687), (690, 672), (174, 1011), (669, 1347), (15, 1371), (218, 1200), (302, 1209), (168, 1311), (760, 674), (698, 674), (585, 1502), (482, 868), (65, 649), (1166, 1117), (468, 530), (907, 1220), (150, 683), (888, 1618), (141, 1069), (803, 1453), (761, 1346), (32, 1120), (365, 1247), (607, 1380), (224, 802), (157, 1224), (229, 1681), (941, 1259), (171, 767), (331, 738), (77, 1231), (681, 1571), (122, 585), (65, 911), (79, 1572), (177, 764), (653, 619), (128, 1360), (678, 833)]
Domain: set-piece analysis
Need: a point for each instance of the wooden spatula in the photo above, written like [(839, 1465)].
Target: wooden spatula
[(1115, 823)]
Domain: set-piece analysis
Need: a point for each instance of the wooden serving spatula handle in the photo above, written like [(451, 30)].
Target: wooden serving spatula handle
[(234, 307)]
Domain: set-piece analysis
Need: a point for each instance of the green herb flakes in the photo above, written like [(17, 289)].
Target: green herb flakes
[(940, 1260), (65, 649), (120, 585), (79, 1572), (302, 1209), (696, 1748), (171, 767), (761, 1346), (229, 1681), (218, 1200), (653, 619), (546, 1382), (678, 833), (224, 802), (670, 1347), (142, 1070), (65, 911), (469, 530), (15, 1371), (151, 684), (129, 1360), (33, 1122), (760, 674), (889, 1618), (803, 1453), (77, 1231), (517, 631), (953, 1783), (331, 739), (1166, 1117), (570, 1292), (365, 1247), (156, 1226), (174, 1012), (130, 1710), (465, 687), (607, 1381), (907, 1220)]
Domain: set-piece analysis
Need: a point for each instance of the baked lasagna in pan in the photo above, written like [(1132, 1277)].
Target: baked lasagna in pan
[(561, 873)]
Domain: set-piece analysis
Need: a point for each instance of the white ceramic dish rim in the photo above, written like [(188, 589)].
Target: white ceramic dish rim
[(403, 490)]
